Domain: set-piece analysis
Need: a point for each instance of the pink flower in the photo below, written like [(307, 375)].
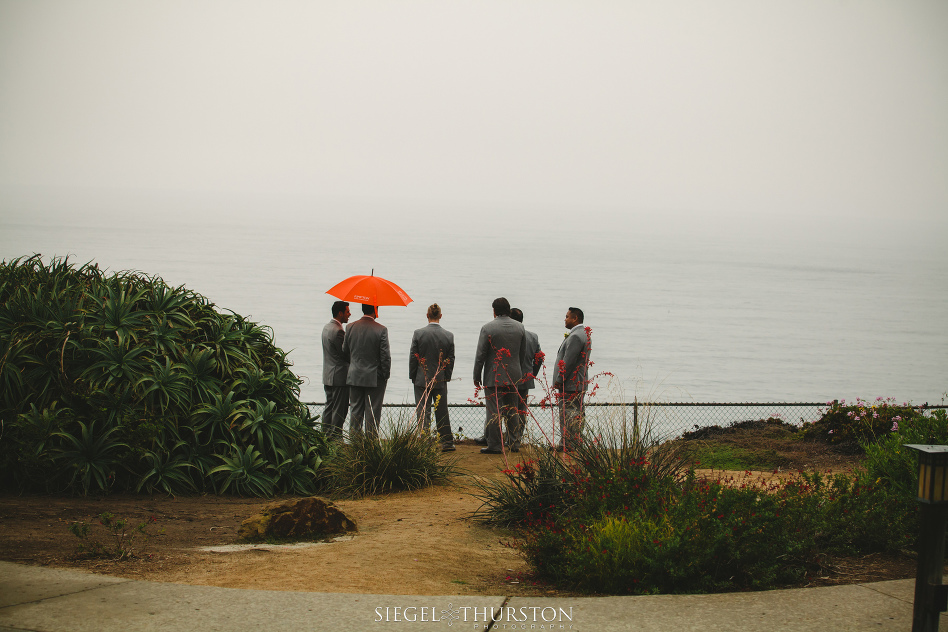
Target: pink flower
[(895, 426)]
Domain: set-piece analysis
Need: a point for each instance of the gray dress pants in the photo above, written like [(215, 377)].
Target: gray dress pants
[(572, 418), (334, 414), (519, 421), (365, 402), (501, 402), (439, 394)]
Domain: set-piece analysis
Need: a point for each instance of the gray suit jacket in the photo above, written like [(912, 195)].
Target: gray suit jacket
[(532, 367), (335, 364), (574, 353), (366, 346), (501, 353), (431, 347)]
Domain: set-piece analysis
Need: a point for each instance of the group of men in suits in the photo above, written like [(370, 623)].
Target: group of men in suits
[(357, 364), (507, 360)]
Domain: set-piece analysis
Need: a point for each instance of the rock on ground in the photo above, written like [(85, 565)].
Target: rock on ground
[(296, 519)]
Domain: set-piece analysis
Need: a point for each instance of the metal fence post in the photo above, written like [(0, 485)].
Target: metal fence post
[(635, 419)]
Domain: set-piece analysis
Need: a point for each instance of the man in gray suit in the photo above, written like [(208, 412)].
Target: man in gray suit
[(530, 370), (498, 366), (570, 378), (370, 364), (335, 370), (430, 363)]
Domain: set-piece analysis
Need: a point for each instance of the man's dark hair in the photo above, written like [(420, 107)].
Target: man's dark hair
[(577, 312), (517, 314), (369, 310), (339, 307), (501, 306)]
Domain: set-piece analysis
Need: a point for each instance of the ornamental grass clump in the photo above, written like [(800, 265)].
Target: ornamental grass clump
[(549, 482), (121, 382), (401, 459)]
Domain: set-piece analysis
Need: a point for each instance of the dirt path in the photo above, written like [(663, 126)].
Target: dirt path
[(421, 542)]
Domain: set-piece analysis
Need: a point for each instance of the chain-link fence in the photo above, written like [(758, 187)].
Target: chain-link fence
[(660, 420)]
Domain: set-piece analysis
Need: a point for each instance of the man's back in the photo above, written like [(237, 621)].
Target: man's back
[(501, 353), (431, 355), (366, 345)]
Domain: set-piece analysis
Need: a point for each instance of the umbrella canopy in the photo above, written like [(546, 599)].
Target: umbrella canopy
[(369, 290)]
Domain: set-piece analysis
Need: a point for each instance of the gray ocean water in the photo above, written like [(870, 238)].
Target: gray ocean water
[(681, 308)]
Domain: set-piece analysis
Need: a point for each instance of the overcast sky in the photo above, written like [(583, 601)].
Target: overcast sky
[(775, 107)]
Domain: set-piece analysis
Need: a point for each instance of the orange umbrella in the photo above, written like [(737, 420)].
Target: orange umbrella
[(369, 290)]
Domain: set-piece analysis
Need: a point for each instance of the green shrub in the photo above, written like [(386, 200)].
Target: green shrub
[(773, 426), (402, 459), (596, 522), (702, 536), (890, 482), (710, 536), (888, 460), (123, 541), (850, 427), (30, 443), (119, 381)]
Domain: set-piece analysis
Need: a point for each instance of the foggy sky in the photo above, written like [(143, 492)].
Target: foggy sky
[(765, 107)]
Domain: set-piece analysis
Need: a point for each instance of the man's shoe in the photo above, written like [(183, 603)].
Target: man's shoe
[(489, 451), (481, 441), (448, 448)]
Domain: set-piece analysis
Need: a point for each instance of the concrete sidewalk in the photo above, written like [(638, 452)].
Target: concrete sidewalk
[(55, 600)]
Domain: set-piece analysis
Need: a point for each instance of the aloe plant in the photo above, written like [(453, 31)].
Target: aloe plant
[(146, 386), (91, 457), (246, 472), (168, 473)]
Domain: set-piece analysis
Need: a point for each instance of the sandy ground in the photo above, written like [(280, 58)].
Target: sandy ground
[(410, 543)]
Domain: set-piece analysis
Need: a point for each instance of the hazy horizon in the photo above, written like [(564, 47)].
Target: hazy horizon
[(540, 109)]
